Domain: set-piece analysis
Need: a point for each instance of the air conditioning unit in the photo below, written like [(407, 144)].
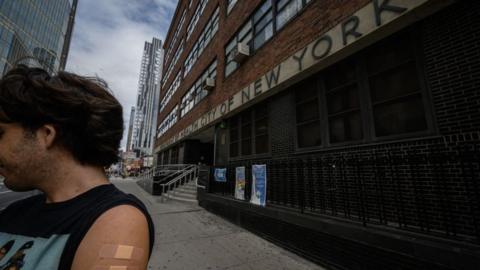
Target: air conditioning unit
[(190, 98), (208, 84), (241, 52), (182, 105)]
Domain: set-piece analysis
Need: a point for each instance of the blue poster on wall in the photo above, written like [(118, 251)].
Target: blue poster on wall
[(240, 183), (259, 184), (220, 174)]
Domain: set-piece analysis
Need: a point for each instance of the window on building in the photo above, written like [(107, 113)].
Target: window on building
[(196, 16), (165, 159), (270, 17), (395, 90), (171, 90), (343, 105), (234, 138), (372, 95), (210, 72), (187, 102), (249, 132), (246, 134), (230, 5), (174, 155), (308, 116), (168, 122), (287, 9), (202, 42), (174, 61), (245, 36), (168, 54), (197, 93), (263, 24), (261, 130)]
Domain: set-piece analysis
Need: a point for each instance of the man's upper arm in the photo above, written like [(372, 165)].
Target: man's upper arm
[(123, 226)]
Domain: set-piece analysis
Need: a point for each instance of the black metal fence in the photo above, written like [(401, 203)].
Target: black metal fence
[(432, 191)]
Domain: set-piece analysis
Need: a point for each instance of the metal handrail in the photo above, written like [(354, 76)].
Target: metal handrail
[(189, 173), (171, 167), (146, 179), (179, 177), (148, 174), (190, 167)]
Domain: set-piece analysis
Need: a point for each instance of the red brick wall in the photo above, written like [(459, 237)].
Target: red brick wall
[(317, 18)]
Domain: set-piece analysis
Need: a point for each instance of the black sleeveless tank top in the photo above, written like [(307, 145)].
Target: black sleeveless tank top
[(36, 235)]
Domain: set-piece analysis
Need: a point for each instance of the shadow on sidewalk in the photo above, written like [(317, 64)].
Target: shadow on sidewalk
[(189, 237)]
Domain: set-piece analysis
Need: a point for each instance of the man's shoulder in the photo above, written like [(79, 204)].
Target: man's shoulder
[(123, 206), (123, 225), (115, 197), (109, 201), (119, 219)]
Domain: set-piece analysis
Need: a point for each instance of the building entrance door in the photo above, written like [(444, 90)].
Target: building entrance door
[(198, 152)]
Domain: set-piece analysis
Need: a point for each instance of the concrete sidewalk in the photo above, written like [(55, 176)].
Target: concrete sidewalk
[(188, 237)]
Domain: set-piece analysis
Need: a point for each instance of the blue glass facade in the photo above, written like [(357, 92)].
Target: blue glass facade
[(35, 32)]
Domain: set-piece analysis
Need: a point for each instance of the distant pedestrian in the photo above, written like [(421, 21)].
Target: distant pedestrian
[(57, 135)]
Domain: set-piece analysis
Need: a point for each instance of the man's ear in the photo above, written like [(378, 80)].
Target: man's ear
[(47, 135)]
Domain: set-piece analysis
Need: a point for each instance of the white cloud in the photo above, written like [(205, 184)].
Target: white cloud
[(108, 41)]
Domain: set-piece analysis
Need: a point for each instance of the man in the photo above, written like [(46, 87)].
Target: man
[(57, 134)]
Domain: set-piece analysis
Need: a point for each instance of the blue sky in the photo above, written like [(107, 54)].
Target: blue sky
[(108, 40)]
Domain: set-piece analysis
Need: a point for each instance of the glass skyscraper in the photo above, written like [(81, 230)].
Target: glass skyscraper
[(35, 33)]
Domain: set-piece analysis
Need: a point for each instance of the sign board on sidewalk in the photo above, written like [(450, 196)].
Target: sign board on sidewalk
[(240, 183), (259, 184)]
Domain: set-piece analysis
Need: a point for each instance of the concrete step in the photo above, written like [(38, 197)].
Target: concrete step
[(182, 193), (181, 198), (185, 187), (186, 191), (189, 187), (185, 196)]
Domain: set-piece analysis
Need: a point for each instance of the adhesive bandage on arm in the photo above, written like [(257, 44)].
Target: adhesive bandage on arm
[(121, 252), (119, 257), (116, 267)]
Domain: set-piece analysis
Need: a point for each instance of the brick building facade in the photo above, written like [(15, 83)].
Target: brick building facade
[(366, 114)]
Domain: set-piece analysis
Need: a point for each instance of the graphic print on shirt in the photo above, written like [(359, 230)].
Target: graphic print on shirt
[(16, 262), (6, 248), (19, 252)]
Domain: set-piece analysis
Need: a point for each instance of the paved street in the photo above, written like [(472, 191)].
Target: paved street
[(188, 237)]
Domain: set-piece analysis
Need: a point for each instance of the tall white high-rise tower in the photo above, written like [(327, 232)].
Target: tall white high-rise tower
[(144, 126)]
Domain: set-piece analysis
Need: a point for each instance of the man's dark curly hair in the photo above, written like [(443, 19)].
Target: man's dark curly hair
[(87, 117)]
